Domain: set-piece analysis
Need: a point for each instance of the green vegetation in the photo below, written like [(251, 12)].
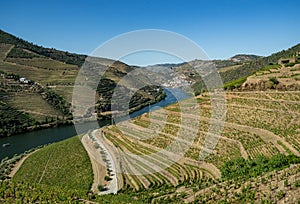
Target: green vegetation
[(274, 80), (20, 53), (46, 77), (270, 66), (58, 102), (235, 84), (263, 189), (245, 68), (25, 107), (7, 164), (45, 63), (13, 121), (101, 188), (36, 106), (240, 167), (65, 165), (107, 178), (260, 126), (65, 57), (182, 180), (65, 91), (291, 64), (52, 75)]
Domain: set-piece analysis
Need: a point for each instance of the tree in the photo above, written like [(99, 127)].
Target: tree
[(101, 188), (107, 178), (274, 80)]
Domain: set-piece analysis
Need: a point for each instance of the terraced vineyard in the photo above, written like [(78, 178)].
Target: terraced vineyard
[(55, 72), (34, 104), (257, 123), (184, 171), (253, 142), (274, 187), (158, 157)]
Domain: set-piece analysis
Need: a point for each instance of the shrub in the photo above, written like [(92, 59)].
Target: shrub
[(107, 178), (239, 168), (101, 188), (274, 80)]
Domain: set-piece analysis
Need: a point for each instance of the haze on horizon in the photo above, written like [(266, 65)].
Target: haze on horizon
[(221, 28)]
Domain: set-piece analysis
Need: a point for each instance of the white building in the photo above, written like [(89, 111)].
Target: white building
[(24, 80)]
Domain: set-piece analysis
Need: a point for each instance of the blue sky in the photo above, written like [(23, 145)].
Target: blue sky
[(221, 28)]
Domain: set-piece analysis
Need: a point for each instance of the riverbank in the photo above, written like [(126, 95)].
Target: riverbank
[(40, 127), (103, 116), (19, 163), (25, 141), (8, 167)]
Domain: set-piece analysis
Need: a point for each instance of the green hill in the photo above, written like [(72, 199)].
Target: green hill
[(22, 47)]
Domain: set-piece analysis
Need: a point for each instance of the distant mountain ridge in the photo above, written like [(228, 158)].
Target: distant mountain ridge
[(244, 57), (238, 67)]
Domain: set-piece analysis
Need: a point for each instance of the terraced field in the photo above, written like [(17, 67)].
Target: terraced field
[(40, 69), (257, 123), (274, 187), (34, 105), (138, 172), (149, 169), (58, 75)]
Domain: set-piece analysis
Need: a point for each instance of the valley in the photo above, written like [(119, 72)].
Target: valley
[(271, 137), (169, 150), (44, 98)]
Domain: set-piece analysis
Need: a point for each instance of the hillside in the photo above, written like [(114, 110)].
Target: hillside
[(26, 49), (256, 159), (279, 77), (237, 68), (45, 98), (244, 58), (58, 165), (249, 68)]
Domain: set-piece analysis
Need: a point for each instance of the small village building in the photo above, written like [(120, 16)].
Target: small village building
[(284, 61), (24, 80)]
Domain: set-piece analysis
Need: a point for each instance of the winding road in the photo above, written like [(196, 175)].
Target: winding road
[(98, 165)]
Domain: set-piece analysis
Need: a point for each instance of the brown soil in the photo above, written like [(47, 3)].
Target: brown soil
[(98, 165)]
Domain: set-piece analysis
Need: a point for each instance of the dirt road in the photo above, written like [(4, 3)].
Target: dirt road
[(93, 145)]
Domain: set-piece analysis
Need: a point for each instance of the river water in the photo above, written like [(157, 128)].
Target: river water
[(25, 141)]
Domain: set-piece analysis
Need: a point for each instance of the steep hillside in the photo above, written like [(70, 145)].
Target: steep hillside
[(256, 159), (26, 49), (45, 94), (279, 77), (57, 161), (251, 67), (238, 68)]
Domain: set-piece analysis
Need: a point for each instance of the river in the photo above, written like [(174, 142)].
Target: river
[(25, 141)]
